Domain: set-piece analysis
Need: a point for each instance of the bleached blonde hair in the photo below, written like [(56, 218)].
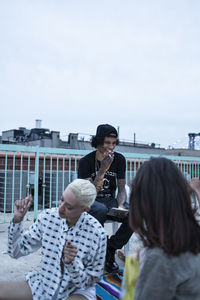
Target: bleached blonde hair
[(84, 190)]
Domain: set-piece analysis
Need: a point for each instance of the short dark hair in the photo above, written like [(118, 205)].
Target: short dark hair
[(99, 141), (161, 210)]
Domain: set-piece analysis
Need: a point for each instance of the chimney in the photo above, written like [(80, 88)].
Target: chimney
[(38, 123)]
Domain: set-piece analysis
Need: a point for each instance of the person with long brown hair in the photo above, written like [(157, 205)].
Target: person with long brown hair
[(162, 214)]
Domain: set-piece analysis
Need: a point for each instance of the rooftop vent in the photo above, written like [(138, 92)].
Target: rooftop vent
[(38, 123)]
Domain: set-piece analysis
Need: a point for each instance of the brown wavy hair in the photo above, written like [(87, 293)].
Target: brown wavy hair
[(161, 210)]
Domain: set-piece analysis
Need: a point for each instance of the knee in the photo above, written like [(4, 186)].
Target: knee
[(76, 297), (103, 210), (100, 213), (126, 220)]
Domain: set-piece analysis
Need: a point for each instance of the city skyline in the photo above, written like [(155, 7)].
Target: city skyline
[(75, 65), (194, 138)]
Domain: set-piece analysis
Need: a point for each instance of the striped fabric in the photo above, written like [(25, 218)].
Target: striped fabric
[(109, 286)]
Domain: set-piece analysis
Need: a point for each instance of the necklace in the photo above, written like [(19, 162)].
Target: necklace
[(97, 165)]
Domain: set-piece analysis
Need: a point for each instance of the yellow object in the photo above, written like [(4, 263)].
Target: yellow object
[(130, 277)]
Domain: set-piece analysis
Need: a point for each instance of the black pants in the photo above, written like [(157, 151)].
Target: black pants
[(99, 210)]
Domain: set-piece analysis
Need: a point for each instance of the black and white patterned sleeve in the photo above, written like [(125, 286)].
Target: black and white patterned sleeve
[(20, 242)]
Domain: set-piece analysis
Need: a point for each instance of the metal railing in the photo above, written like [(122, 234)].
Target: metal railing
[(45, 172)]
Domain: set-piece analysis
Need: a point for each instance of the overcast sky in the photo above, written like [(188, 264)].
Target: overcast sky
[(75, 64)]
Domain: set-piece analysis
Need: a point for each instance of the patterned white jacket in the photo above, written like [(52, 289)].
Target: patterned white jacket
[(50, 232)]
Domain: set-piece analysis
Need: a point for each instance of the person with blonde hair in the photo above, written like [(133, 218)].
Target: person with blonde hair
[(73, 247)]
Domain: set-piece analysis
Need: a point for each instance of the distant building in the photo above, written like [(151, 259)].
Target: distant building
[(43, 137), (31, 137)]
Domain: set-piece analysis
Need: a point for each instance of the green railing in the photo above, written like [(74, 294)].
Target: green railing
[(45, 172)]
